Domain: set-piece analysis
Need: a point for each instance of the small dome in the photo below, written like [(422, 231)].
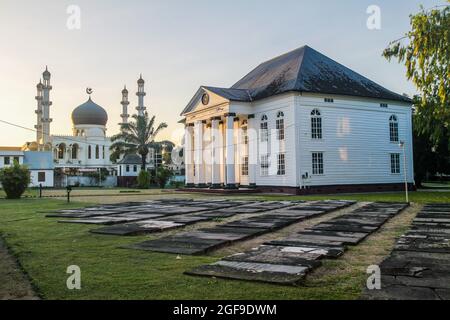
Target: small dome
[(40, 85), (89, 113), (125, 90), (141, 81)]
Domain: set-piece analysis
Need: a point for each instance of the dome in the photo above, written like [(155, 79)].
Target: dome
[(89, 113), (141, 81), (124, 90)]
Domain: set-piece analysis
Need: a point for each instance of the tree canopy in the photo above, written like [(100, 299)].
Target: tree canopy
[(137, 137), (425, 52)]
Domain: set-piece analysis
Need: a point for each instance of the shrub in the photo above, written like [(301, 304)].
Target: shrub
[(162, 176), (15, 180), (143, 180)]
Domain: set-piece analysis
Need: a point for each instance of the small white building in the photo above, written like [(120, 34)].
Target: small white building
[(299, 123), (40, 164), (41, 168), (10, 154)]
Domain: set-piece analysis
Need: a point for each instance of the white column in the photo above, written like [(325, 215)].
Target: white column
[(252, 134), (215, 150), (188, 159), (237, 151), (229, 151), (207, 153), (198, 151)]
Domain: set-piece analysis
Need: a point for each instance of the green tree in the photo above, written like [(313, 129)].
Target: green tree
[(425, 52), (14, 180), (163, 175), (143, 180), (136, 137)]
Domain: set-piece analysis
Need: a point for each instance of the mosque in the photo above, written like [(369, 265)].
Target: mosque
[(87, 148)]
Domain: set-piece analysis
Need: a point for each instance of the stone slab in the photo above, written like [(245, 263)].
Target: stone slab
[(292, 256), (134, 229)]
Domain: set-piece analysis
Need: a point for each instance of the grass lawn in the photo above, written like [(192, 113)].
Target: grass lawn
[(45, 249)]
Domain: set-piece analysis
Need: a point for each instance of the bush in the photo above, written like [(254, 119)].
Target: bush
[(162, 176), (143, 180), (15, 180)]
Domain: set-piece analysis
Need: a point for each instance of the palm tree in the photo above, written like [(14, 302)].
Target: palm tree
[(136, 137)]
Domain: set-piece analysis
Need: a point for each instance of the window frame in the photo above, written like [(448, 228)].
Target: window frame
[(279, 125), (395, 161), (264, 165), (264, 129), (281, 164), (316, 125), (244, 166), (394, 136), (39, 176), (318, 166)]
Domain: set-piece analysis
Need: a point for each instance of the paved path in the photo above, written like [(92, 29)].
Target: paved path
[(419, 266), (287, 261)]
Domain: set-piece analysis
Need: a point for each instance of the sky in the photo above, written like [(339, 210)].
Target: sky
[(177, 46)]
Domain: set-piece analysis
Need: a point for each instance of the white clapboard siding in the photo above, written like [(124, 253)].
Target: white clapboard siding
[(355, 143)]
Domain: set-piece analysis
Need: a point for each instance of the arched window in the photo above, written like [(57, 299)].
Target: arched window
[(316, 124), (280, 125), (75, 151), (61, 150), (97, 152), (89, 152), (264, 132), (393, 128), (103, 152)]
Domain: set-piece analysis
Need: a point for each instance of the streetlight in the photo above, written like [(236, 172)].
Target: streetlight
[(402, 145)]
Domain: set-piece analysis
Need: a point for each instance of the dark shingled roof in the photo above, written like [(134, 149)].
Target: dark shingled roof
[(131, 159), (231, 94), (307, 70)]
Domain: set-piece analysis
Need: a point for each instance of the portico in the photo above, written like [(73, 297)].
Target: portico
[(218, 149)]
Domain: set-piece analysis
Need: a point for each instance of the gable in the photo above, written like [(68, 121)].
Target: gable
[(196, 103)]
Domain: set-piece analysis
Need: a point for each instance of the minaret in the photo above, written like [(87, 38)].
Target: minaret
[(46, 103), (38, 111), (141, 94), (124, 104)]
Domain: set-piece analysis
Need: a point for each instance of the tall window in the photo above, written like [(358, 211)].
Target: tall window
[(393, 128), (244, 129), (244, 166), (134, 168), (281, 164), (74, 151), (103, 152), (7, 160), (280, 126), (61, 150), (317, 163), (264, 132), (89, 152), (264, 165), (97, 152), (395, 163), (316, 124), (127, 168)]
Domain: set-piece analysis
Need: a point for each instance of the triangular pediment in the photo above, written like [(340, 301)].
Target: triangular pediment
[(200, 102)]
